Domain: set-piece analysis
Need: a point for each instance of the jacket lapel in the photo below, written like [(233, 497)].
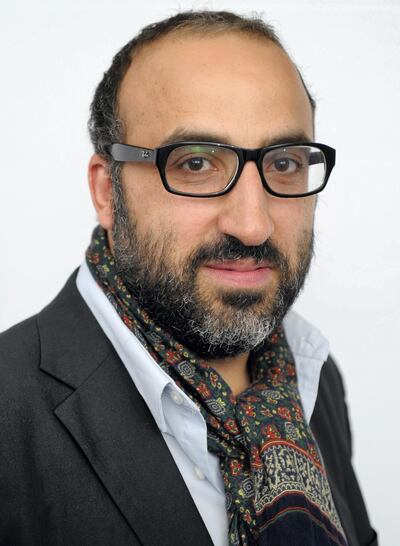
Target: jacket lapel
[(112, 425)]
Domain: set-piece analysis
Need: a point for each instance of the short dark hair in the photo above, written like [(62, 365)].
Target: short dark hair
[(105, 127)]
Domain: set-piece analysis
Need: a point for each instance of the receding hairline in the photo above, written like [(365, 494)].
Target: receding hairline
[(189, 31), (206, 31)]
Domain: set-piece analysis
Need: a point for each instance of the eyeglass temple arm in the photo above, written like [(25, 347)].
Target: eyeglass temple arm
[(125, 152)]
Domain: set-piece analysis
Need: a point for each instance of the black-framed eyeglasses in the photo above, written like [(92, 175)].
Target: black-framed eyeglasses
[(209, 169)]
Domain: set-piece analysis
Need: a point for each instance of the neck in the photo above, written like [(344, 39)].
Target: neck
[(234, 372)]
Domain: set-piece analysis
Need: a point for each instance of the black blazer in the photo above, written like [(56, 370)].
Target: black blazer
[(82, 462)]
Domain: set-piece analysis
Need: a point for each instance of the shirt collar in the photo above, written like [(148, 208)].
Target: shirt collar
[(310, 350)]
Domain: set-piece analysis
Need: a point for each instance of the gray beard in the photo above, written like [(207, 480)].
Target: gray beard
[(238, 322)]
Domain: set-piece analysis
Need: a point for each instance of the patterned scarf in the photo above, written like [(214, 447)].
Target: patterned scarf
[(277, 492)]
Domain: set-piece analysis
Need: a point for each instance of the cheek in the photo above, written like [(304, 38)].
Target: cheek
[(186, 221), (293, 218), (191, 221)]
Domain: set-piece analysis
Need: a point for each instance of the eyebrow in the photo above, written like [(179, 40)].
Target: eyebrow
[(187, 135)]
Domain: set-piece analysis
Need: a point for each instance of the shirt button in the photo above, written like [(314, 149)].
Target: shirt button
[(177, 398), (199, 473)]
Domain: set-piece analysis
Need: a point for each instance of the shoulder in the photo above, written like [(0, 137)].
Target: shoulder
[(331, 379), (19, 349), (331, 404), (330, 421), (21, 388), (22, 383)]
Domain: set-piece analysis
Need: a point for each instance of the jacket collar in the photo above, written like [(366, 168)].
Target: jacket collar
[(72, 343)]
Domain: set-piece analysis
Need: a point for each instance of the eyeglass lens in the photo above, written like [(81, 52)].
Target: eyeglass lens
[(204, 169)]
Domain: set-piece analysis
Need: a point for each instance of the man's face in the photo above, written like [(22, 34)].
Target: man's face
[(217, 273)]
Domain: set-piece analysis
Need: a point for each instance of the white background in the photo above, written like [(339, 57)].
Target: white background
[(53, 54)]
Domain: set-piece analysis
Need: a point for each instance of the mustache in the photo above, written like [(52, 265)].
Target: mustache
[(230, 248)]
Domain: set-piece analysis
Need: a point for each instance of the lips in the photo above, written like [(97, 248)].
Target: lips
[(239, 265), (239, 272)]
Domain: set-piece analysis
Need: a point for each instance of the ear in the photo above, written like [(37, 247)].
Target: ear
[(101, 190)]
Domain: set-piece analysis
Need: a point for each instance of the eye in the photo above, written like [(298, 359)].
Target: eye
[(196, 163), (285, 165)]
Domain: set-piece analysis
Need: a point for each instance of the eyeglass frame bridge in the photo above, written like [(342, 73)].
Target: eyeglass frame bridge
[(158, 156)]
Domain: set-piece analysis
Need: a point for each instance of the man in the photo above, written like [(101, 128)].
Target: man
[(168, 395)]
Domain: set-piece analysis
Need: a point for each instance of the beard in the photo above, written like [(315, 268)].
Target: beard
[(212, 322)]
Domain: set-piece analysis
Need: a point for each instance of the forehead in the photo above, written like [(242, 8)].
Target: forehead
[(231, 84)]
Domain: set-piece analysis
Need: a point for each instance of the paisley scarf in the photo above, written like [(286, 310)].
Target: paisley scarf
[(277, 492)]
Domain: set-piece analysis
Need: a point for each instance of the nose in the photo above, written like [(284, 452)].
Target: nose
[(245, 211)]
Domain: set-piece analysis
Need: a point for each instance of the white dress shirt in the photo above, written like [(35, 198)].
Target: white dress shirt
[(178, 418)]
